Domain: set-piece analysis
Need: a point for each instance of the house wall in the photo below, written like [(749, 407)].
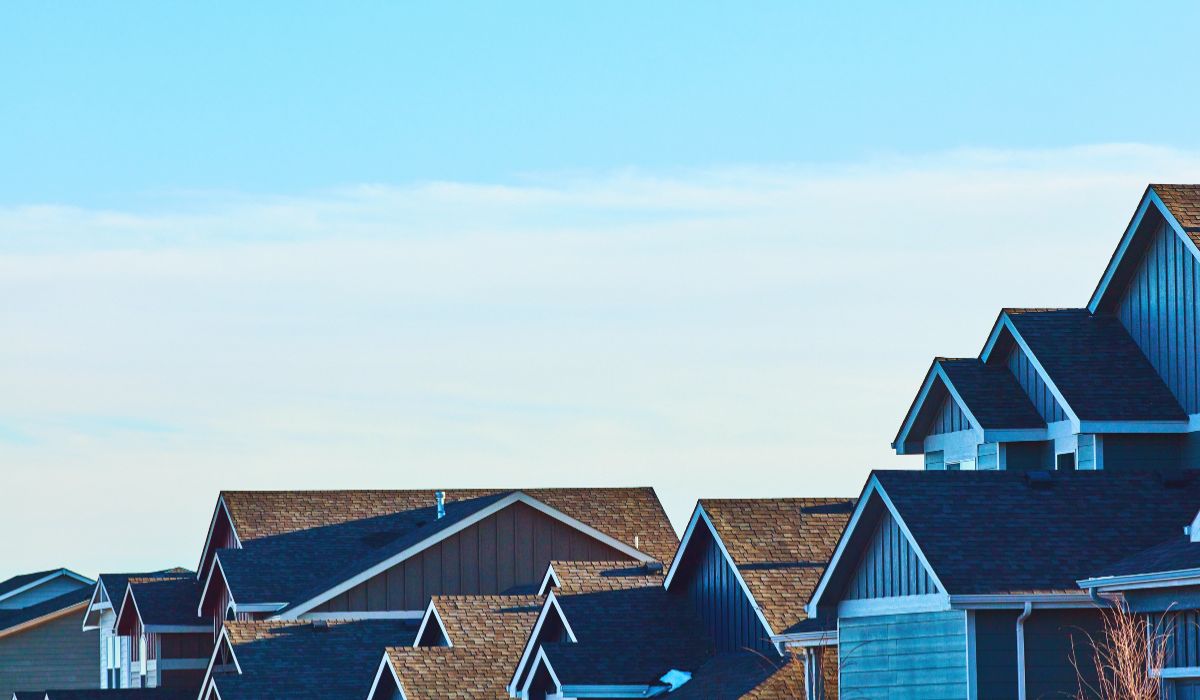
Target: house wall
[(1029, 456), (1159, 309), (1027, 376), (1143, 451), (50, 589), (889, 566), (1049, 636), (510, 548), (918, 656), (714, 592), (54, 654), (949, 419), (996, 654)]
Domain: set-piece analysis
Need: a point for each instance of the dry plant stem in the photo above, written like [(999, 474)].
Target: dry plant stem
[(1128, 658)]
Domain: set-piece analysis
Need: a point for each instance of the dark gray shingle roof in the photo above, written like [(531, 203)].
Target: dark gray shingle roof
[(12, 618), (18, 581), (991, 393), (1176, 554)]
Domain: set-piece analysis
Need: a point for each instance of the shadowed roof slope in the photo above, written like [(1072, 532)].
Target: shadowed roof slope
[(596, 576), (621, 513), (991, 393), (1176, 554), (482, 620), (19, 616), (1097, 366), (992, 532), (745, 675), (292, 659), (780, 547), (169, 599)]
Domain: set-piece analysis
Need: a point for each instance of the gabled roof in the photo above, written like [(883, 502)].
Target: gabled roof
[(445, 673), (779, 546), (745, 675), (1183, 201), (1177, 555), (25, 582), (13, 621), (488, 619), (1000, 532), (114, 587), (595, 576), (297, 659), (166, 599), (1092, 363)]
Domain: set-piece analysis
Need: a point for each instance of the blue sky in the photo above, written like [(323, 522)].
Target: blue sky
[(706, 248)]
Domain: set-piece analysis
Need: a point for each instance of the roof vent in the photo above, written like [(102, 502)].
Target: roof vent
[(1038, 480), (654, 567), (441, 503), (320, 626)]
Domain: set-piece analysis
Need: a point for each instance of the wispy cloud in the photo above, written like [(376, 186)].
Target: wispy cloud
[(739, 331)]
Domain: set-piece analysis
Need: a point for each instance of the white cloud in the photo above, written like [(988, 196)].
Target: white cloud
[(748, 331)]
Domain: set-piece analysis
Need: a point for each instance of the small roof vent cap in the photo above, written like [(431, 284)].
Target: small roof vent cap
[(1038, 480)]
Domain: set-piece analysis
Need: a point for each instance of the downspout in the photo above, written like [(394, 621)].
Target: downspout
[(808, 684), (1021, 649), (1100, 602)]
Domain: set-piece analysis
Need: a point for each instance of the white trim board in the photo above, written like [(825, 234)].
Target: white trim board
[(1158, 579), (551, 575), (551, 602), (46, 579), (212, 525), (432, 613), (387, 661), (541, 659), (515, 497), (222, 639)]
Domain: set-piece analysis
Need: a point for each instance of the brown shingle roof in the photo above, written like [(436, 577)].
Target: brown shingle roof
[(450, 673), (483, 620), (1184, 203), (781, 547), (595, 576), (620, 513)]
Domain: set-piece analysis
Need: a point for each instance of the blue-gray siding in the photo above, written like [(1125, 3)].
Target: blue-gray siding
[(712, 587), (1141, 451), (949, 419), (1159, 310), (1049, 637), (904, 657), (1029, 379), (996, 654), (889, 567), (54, 654), (1182, 629)]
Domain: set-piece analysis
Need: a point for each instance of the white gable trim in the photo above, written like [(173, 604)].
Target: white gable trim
[(551, 602), (212, 660), (687, 538), (204, 592), (44, 618), (93, 606), (873, 487), (516, 497), (130, 597), (1127, 238), (541, 660), (386, 663), (46, 579), (550, 576), (701, 515), (212, 526), (935, 372), (432, 613), (1004, 322)]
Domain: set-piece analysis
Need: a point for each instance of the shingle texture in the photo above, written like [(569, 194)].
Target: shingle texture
[(115, 584), (120, 694), (12, 618), (992, 532), (169, 599), (597, 576), (297, 544), (489, 620), (991, 393), (1096, 365), (1184, 203), (745, 675), (292, 659), (781, 547), (445, 673), (1176, 554)]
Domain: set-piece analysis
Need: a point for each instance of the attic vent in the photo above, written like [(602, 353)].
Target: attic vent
[(1038, 480)]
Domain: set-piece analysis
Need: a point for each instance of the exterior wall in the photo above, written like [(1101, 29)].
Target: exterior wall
[(718, 598), (949, 419), (1089, 455), (990, 456), (996, 654), (1189, 450), (920, 656), (1032, 383), (510, 548), (935, 460), (55, 654), (1143, 451), (1159, 310), (50, 589), (1029, 456), (1049, 635), (889, 566)]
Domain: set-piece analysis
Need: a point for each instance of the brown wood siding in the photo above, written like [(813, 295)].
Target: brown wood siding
[(55, 654), (510, 548)]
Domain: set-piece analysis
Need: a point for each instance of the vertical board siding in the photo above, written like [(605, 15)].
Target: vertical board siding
[(510, 548), (1158, 309), (920, 656), (1027, 376), (949, 419), (714, 592), (54, 654), (1182, 630), (889, 567)]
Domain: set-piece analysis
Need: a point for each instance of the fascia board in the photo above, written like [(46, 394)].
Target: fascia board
[(737, 574), (212, 660), (814, 602), (1158, 579), (93, 606), (550, 576), (551, 602), (1037, 366), (257, 607), (905, 428), (45, 579), (687, 538), (433, 539), (541, 660), (828, 638), (204, 592), (1016, 601), (125, 601), (1016, 435), (1115, 426), (212, 526), (432, 613), (993, 337), (386, 663), (1130, 231), (44, 618)]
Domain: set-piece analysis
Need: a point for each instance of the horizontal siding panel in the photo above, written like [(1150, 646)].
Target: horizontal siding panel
[(922, 655)]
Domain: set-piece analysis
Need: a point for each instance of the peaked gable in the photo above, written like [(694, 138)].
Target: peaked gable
[(890, 566)]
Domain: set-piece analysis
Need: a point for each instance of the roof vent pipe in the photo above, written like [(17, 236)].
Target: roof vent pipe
[(441, 503)]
